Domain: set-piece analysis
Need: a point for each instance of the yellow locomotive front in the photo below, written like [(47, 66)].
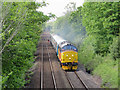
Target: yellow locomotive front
[(68, 56)]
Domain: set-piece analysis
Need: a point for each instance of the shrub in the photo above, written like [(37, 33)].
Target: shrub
[(108, 70), (114, 49), (86, 52)]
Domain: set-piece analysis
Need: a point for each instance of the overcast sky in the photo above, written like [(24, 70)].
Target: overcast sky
[(57, 6)]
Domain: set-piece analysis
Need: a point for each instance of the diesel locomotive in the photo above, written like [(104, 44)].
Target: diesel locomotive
[(66, 52)]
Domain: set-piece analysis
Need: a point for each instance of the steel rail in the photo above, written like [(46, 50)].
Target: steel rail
[(42, 69), (52, 71), (86, 87), (69, 80)]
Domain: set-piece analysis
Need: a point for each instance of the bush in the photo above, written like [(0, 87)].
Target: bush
[(108, 70), (20, 60), (106, 67), (114, 49), (86, 53)]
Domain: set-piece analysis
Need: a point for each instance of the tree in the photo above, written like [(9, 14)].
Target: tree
[(101, 21), (22, 25)]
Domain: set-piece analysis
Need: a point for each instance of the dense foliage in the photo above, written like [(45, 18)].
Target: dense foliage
[(101, 21), (22, 25), (94, 29)]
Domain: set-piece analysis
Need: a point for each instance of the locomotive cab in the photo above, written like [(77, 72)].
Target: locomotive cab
[(69, 57)]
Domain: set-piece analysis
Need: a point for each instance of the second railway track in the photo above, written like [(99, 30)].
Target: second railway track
[(47, 73), (75, 81), (84, 84), (52, 71), (51, 74)]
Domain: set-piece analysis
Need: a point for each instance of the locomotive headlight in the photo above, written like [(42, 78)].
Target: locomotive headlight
[(72, 55), (69, 58), (66, 55)]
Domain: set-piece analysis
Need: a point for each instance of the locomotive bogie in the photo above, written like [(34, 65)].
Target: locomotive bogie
[(69, 67)]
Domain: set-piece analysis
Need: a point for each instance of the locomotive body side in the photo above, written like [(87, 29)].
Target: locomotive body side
[(54, 43), (66, 52)]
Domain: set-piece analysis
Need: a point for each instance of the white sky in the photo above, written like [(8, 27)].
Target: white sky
[(57, 6)]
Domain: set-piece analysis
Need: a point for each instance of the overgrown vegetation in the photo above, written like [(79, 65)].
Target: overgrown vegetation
[(94, 28), (22, 26)]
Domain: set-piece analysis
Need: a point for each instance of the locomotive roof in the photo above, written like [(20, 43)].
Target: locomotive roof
[(60, 41)]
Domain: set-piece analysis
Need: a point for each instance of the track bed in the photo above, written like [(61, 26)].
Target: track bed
[(49, 74)]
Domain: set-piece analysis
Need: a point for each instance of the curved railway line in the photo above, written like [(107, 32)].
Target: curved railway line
[(51, 74)]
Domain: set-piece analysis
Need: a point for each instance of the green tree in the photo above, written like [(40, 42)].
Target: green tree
[(101, 21), (22, 25)]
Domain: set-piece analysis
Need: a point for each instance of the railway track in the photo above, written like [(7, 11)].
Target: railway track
[(42, 68), (52, 78), (82, 84), (52, 71), (46, 57), (71, 83), (86, 87), (69, 80), (49, 74)]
